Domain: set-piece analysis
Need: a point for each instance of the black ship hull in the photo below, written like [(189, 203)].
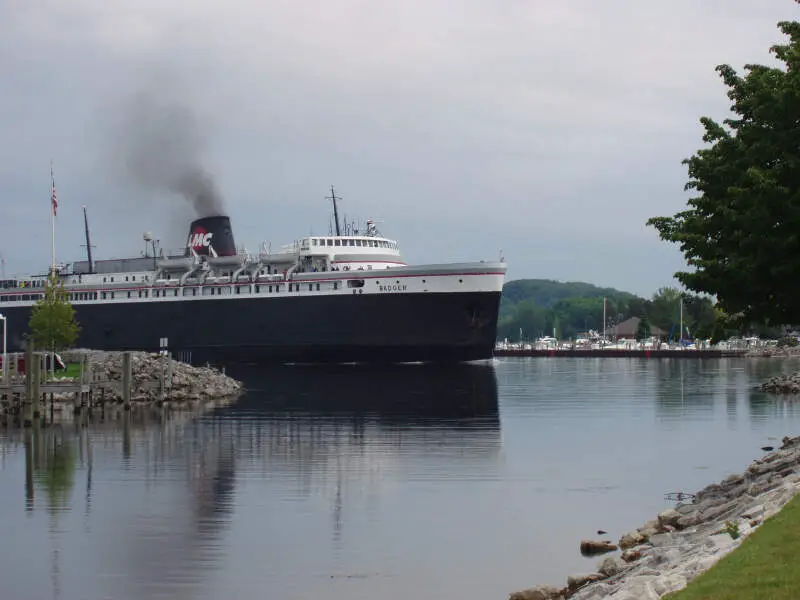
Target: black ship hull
[(371, 328)]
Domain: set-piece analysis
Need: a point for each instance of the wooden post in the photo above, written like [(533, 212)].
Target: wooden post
[(30, 376), (127, 442), (126, 380), (29, 489), (36, 394), (28, 362)]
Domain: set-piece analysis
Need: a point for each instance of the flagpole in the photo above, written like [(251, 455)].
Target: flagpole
[(53, 210), (52, 220)]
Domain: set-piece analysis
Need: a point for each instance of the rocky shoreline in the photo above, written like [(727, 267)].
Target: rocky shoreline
[(773, 352), (184, 383), (782, 384), (666, 553)]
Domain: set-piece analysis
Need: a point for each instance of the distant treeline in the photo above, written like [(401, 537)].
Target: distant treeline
[(537, 306)]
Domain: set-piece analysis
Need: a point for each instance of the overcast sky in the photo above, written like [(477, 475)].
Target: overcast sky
[(550, 130)]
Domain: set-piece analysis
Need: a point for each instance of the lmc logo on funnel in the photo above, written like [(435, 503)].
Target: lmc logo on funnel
[(199, 239)]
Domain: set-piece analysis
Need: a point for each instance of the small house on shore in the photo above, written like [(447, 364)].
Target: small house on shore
[(629, 327)]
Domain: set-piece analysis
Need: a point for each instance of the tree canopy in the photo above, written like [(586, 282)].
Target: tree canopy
[(740, 233), (52, 324), (538, 306)]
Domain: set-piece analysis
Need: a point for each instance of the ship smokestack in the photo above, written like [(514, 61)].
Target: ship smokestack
[(211, 232)]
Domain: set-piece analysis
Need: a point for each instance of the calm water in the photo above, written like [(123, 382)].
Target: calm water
[(362, 483)]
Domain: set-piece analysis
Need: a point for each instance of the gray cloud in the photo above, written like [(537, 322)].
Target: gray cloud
[(550, 130)]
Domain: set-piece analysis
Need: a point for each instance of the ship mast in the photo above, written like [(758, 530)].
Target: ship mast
[(335, 211), (88, 241)]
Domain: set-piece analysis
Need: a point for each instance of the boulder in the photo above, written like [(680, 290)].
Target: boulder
[(540, 592), (631, 539), (669, 517), (591, 547), (575, 582), (610, 566), (631, 555)]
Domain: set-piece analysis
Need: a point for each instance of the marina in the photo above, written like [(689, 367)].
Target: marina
[(621, 353)]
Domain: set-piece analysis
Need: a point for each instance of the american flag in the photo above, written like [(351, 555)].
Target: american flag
[(53, 199)]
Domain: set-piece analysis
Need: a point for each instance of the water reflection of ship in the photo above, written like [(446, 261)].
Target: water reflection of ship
[(463, 395), (322, 426), (300, 414)]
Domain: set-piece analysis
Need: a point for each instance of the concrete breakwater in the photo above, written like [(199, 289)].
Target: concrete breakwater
[(667, 552)]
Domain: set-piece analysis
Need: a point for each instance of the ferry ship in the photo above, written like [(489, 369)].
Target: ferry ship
[(344, 297)]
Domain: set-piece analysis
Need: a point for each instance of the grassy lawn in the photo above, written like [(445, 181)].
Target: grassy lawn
[(72, 370), (766, 565)]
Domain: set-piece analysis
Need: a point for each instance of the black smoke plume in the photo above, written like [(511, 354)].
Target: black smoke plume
[(162, 151)]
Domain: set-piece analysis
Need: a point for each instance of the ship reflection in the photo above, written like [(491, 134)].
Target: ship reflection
[(461, 395), (309, 421), (338, 431)]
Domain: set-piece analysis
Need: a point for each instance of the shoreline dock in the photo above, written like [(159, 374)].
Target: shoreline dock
[(626, 353)]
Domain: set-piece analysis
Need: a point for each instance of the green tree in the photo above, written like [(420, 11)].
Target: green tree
[(664, 310), (739, 234), (55, 471), (52, 324), (643, 329)]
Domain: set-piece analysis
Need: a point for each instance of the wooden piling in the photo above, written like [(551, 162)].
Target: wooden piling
[(36, 375), (29, 449), (126, 380), (27, 401)]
